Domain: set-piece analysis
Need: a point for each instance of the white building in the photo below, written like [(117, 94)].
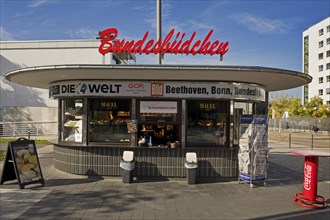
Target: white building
[(316, 61), (20, 103)]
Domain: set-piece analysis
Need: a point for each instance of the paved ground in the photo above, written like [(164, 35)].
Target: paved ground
[(69, 196), (320, 140)]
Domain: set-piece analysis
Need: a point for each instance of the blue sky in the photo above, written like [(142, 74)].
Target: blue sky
[(260, 33)]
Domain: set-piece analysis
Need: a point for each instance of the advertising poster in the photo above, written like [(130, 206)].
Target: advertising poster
[(132, 126), (24, 159)]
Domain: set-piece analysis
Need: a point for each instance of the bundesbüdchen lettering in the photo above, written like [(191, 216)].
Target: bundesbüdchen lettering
[(109, 44)]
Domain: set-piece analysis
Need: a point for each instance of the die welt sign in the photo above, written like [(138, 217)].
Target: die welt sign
[(174, 43)]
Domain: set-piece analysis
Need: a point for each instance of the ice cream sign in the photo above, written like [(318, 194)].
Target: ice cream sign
[(174, 43)]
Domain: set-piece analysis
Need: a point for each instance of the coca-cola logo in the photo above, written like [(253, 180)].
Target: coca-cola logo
[(307, 176), (173, 43)]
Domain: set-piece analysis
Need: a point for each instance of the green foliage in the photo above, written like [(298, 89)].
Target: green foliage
[(2, 155), (7, 140), (278, 105), (315, 108), (295, 108)]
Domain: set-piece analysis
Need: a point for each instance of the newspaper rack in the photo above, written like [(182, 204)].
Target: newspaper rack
[(253, 149)]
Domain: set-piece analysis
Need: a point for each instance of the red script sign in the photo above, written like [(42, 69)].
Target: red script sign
[(109, 44)]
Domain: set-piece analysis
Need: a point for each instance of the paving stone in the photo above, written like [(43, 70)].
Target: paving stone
[(78, 197)]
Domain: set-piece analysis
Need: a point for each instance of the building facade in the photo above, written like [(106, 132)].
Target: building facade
[(316, 61), (22, 104)]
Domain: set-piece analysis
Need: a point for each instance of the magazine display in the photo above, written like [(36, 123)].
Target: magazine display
[(253, 149)]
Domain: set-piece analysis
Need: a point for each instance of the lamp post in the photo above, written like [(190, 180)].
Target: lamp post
[(159, 28)]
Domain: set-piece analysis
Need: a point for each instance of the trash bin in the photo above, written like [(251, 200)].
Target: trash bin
[(191, 165), (127, 164)]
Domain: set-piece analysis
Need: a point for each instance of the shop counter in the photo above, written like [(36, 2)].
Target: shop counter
[(150, 161)]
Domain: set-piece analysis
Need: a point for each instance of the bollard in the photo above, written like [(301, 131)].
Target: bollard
[(312, 141), (289, 140)]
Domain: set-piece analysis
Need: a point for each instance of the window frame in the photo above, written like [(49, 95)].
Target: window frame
[(320, 80), (321, 32), (320, 68), (320, 44), (327, 91), (71, 126), (117, 124), (320, 56), (320, 92), (213, 124)]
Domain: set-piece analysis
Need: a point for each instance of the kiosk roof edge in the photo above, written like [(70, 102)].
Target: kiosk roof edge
[(272, 79)]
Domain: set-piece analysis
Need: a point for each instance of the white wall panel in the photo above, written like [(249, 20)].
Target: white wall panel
[(15, 55)]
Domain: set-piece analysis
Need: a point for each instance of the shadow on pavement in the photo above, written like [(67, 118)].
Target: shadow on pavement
[(319, 214), (289, 169), (150, 179), (209, 180), (106, 202), (61, 182)]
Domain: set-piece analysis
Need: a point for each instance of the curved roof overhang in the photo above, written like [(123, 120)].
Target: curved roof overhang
[(271, 79)]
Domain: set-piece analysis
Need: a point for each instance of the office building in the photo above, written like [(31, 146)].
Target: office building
[(316, 61)]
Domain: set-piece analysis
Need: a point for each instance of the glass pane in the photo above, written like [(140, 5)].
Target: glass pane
[(158, 135), (158, 111), (108, 121), (158, 117), (207, 123), (72, 116), (158, 124), (239, 109)]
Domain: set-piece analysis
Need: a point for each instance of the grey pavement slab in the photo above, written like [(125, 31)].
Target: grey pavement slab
[(70, 196)]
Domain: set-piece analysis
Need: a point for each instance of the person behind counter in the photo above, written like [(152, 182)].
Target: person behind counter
[(221, 138)]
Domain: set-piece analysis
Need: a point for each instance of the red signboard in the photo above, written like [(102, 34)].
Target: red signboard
[(157, 89), (173, 43)]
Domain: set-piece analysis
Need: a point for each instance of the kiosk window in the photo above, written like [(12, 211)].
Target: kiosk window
[(108, 120), (207, 123), (72, 117), (158, 125), (240, 108)]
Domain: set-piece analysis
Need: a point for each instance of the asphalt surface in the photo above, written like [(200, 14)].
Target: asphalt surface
[(70, 196)]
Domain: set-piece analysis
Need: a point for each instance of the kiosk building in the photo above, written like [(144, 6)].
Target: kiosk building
[(160, 112)]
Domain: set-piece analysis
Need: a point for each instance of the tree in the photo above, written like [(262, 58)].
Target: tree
[(279, 105), (296, 109), (315, 108)]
